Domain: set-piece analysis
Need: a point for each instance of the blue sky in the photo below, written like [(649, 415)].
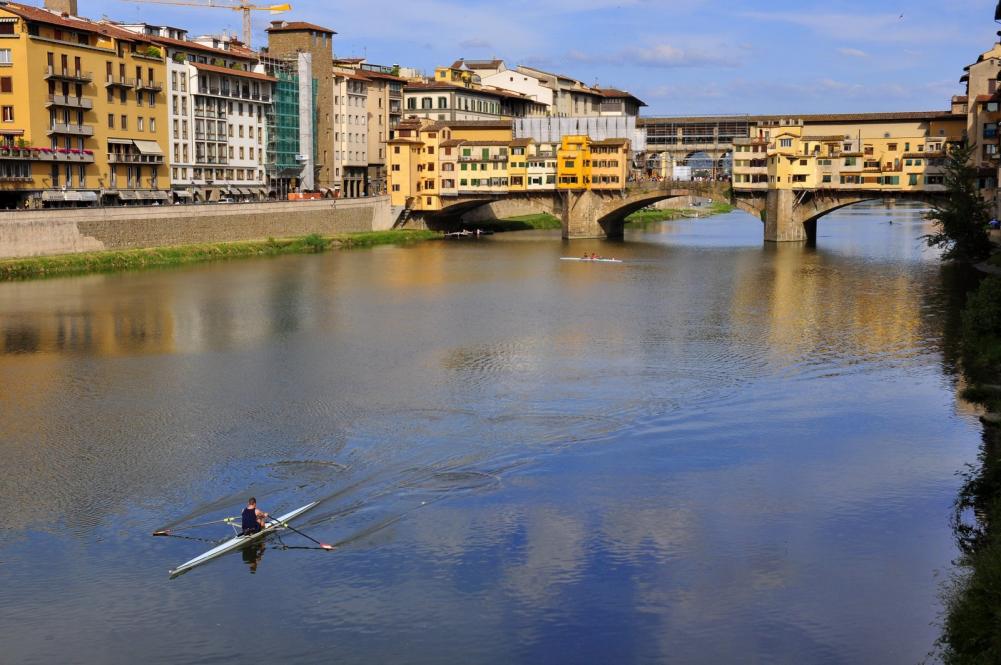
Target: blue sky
[(680, 56)]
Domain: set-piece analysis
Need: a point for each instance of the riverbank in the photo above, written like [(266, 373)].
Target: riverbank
[(667, 214), (973, 600), (162, 257)]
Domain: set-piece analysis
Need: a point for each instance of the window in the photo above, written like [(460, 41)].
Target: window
[(139, 123), (912, 179), (125, 121), (785, 143), (426, 102), (990, 129), (7, 113), (443, 102), (111, 120), (7, 28), (6, 82), (5, 56), (152, 125)]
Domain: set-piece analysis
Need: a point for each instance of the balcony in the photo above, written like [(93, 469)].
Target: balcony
[(47, 154), (120, 81), (133, 158), (70, 102), (150, 85), (61, 155), (72, 130), (67, 74)]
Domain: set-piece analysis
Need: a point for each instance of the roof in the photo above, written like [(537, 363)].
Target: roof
[(482, 64), (486, 143), (234, 72), (382, 75), (39, 15), (614, 93), (478, 124), (815, 118), (521, 142), (451, 143), (195, 46), (297, 26), (441, 85), (349, 61)]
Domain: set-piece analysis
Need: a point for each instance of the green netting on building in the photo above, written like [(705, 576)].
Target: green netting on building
[(283, 123)]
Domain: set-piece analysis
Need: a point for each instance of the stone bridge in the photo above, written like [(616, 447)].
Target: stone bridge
[(791, 215), (584, 213)]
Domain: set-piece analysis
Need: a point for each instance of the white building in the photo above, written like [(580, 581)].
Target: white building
[(351, 131), (219, 99)]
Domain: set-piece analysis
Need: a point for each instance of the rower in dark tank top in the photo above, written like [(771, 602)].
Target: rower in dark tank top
[(252, 519)]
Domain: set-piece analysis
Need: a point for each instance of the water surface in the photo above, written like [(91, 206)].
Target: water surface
[(717, 451)]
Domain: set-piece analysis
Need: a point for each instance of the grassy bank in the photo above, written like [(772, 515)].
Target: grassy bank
[(666, 214), (543, 221), (138, 259)]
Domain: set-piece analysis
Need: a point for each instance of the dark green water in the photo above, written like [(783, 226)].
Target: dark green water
[(717, 451)]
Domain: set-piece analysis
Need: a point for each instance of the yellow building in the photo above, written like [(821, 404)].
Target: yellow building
[(430, 161), (517, 165), (902, 155), (609, 164), (573, 163), (585, 164), (82, 115)]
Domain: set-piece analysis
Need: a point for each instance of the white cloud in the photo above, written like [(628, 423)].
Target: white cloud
[(853, 52), (475, 42), (875, 28), (665, 56)]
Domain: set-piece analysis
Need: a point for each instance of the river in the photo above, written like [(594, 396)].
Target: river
[(716, 451)]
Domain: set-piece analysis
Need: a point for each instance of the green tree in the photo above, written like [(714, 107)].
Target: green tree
[(962, 217)]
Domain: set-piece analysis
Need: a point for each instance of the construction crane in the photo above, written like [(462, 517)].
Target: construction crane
[(235, 5)]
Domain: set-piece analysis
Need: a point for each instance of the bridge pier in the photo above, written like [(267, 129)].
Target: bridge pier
[(581, 215), (782, 223)]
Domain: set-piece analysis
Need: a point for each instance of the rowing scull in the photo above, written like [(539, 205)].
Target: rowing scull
[(240, 541)]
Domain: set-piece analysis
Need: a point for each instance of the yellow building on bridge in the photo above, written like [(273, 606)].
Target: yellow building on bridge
[(433, 163), (882, 152)]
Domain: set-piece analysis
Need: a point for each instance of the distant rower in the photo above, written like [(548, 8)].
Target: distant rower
[(253, 519)]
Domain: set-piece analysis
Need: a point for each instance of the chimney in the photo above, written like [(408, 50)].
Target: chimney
[(62, 6)]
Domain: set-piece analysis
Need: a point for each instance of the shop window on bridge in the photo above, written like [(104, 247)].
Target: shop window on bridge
[(799, 178), (826, 179), (934, 180), (991, 130)]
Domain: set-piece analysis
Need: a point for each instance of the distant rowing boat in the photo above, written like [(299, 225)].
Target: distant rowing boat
[(583, 260), (240, 541)]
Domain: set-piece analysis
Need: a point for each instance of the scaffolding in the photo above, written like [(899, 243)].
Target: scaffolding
[(284, 168)]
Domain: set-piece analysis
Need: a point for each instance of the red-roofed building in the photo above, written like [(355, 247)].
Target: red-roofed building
[(83, 117)]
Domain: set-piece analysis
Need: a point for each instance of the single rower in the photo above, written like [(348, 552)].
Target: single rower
[(252, 518)]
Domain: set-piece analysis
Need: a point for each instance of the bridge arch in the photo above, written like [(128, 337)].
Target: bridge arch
[(792, 216)]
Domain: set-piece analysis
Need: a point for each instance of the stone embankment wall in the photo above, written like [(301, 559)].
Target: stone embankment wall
[(26, 233), (514, 206)]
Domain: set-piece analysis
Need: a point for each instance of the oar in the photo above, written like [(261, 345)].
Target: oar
[(168, 532), (292, 528)]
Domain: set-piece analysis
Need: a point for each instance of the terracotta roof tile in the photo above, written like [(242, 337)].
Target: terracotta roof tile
[(297, 26), (234, 72)]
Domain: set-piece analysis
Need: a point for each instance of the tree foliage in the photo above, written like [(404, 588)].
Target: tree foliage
[(962, 218)]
